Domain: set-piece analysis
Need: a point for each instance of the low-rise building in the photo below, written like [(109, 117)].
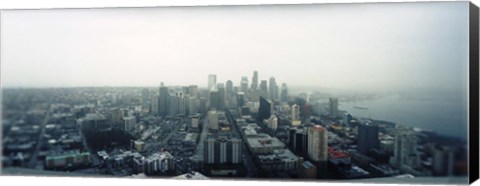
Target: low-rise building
[(279, 160), (67, 160), (264, 145)]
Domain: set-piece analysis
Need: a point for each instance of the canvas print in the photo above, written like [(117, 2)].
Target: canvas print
[(373, 92)]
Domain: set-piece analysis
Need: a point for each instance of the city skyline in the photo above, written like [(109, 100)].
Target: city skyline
[(139, 50)]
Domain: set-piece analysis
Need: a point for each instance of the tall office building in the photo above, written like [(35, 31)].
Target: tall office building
[(213, 119), (240, 99), (333, 109), (318, 143), (154, 105), (221, 96), (163, 100), (192, 105), (214, 99), (145, 99), (296, 121), (254, 95), (193, 91), (298, 141), (202, 105), (182, 103), (265, 109), (173, 110), (284, 93), (230, 96), (254, 81), (212, 81), (244, 85), (367, 137), (185, 90), (272, 89), (264, 88)]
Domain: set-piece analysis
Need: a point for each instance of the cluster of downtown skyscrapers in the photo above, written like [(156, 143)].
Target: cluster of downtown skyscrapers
[(188, 99)]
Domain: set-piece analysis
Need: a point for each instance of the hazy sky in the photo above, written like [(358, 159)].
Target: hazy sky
[(359, 46)]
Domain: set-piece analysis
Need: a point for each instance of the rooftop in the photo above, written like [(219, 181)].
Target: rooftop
[(265, 142)]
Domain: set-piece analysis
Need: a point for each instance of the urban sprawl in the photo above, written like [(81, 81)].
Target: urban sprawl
[(254, 130)]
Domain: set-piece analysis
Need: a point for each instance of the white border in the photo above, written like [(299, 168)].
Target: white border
[(47, 4)]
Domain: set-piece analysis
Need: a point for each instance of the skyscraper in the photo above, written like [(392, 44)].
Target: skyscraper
[(264, 88), (154, 105), (296, 115), (317, 143), (193, 91), (230, 96), (367, 137), (182, 103), (173, 110), (163, 100), (212, 81), (145, 99), (221, 96), (214, 99), (333, 109), (254, 81), (272, 89), (265, 109), (244, 85), (240, 99), (298, 141), (284, 93), (192, 105)]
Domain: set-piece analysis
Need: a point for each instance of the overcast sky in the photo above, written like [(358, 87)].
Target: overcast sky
[(358, 46)]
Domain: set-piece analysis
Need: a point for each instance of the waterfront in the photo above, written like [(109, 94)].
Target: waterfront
[(438, 113)]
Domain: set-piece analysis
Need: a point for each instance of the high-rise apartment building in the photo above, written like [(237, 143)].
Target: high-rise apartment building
[(223, 150), (318, 143), (296, 121)]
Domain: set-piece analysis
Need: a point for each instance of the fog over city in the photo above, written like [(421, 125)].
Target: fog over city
[(359, 46), (301, 92)]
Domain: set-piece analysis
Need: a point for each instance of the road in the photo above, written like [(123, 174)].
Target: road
[(247, 157), (154, 147), (34, 157), (203, 136)]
